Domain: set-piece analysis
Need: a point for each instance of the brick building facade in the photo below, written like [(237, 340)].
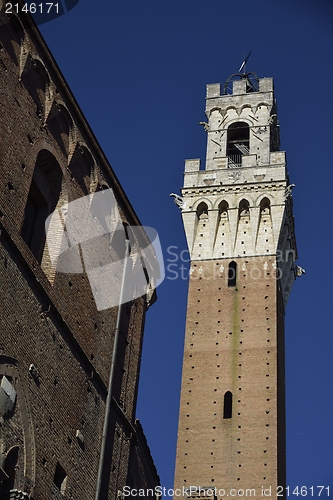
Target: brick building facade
[(237, 214), (55, 346)]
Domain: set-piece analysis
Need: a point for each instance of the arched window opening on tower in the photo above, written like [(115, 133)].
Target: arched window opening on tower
[(232, 271), (223, 208), (227, 405), (265, 206), (238, 142), (202, 210), (244, 208)]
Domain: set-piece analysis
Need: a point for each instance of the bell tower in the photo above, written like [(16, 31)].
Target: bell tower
[(237, 215)]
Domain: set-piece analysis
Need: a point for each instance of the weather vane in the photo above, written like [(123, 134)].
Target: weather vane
[(243, 66)]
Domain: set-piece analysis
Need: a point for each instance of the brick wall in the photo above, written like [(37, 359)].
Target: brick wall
[(233, 335), (50, 320)]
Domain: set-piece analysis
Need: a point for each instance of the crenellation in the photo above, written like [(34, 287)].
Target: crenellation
[(213, 90), (239, 87), (192, 165), (266, 85)]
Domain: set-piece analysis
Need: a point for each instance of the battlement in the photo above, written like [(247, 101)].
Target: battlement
[(242, 126), (239, 87)]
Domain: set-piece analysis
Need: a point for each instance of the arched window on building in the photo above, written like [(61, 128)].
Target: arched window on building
[(37, 82), (202, 210), (223, 209), (232, 274), (244, 208), (14, 40), (60, 126), (43, 196), (82, 168), (265, 206), (35, 214), (227, 405), (238, 142)]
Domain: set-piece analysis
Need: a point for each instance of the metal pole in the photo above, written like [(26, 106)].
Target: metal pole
[(113, 362)]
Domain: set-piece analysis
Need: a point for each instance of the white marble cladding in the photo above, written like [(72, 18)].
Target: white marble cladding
[(221, 174), (248, 220), (239, 205), (255, 110)]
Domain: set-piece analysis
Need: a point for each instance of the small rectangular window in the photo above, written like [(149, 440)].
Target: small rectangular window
[(60, 478), (232, 271)]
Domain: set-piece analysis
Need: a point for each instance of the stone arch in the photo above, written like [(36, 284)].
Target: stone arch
[(248, 197), (226, 199), (202, 200), (21, 415), (223, 206), (60, 125), (46, 194), (202, 210), (265, 236), (260, 105), (215, 108), (231, 108), (258, 200), (246, 120), (231, 114), (12, 38), (215, 118), (37, 81), (222, 228), (265, 204), (201, 230), (246, 106), (244, 207), (83, 169)]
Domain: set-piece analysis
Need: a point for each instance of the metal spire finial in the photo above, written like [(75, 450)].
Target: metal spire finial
[(244, 62)]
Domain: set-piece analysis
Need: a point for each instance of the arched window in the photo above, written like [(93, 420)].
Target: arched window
[(82, 167), (42, 199), (227, 405), (14, 38), (265, 206), (232, 272), (35, 214), (238, 142), (244, 207), (60, 125), (202, 210), (223, 208), (37, 82)]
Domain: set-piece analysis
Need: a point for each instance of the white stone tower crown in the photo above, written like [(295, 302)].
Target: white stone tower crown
[(240, 205)]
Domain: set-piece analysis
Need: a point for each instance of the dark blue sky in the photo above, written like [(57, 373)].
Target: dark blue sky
[(138, 70)]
